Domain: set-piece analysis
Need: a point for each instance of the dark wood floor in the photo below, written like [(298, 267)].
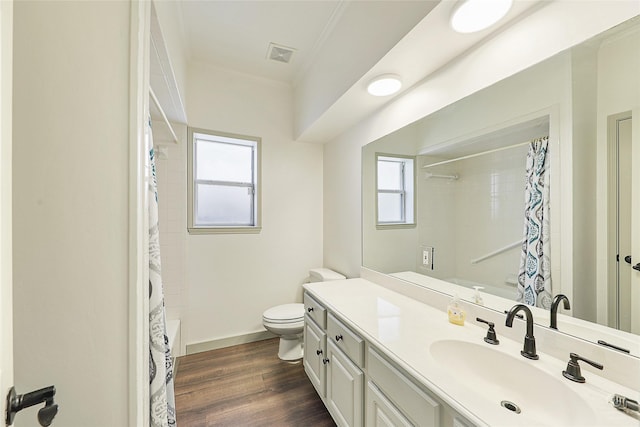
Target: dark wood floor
[(246, 385)]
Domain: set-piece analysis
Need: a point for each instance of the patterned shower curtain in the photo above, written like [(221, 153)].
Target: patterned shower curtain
[(534, 275), (162, 400)]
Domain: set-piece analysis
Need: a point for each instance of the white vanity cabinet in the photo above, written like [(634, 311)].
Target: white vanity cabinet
[(333, 361), (359, 384), (345, 379), (315, 343)]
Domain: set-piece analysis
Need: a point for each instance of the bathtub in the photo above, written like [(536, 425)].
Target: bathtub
[(173, 333), (508, 290), (500, 297)]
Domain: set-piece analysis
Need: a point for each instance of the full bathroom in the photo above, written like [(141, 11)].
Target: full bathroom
[(368, 304)]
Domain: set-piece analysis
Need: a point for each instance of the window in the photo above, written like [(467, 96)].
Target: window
[(223, 183), (395, 182)]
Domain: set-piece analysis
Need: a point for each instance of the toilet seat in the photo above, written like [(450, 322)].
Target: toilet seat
[(285, 313)]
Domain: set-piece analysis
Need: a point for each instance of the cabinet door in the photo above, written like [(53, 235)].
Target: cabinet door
[(345, 388), (381, 412), (418, 407), (315, 344)]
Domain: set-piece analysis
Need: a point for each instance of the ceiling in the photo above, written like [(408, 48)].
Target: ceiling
[(338, 46), (236, 34)]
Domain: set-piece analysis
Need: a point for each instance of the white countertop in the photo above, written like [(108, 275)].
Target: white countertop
[(405, 329), (567, 324)]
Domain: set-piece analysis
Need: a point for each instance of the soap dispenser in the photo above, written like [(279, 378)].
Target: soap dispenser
[(476, 295), (456, 312)]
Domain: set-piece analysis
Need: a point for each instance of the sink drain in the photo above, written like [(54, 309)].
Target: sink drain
[(510, 406)]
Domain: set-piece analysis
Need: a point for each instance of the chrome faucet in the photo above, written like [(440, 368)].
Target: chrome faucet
[(529, 350), (554, 309)]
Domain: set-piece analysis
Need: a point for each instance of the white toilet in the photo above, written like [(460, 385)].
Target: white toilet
[(287, 320)]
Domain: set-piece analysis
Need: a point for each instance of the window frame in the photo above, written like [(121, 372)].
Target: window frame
[(406, 194), (192, 182)]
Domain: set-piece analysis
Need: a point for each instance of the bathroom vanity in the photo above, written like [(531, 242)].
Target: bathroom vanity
[(380, 357), (335, 363)]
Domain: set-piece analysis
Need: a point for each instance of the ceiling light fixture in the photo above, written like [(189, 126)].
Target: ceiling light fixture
[(384, 85), (470, 16)]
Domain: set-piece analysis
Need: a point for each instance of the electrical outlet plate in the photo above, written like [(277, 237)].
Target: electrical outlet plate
[(425, 257)]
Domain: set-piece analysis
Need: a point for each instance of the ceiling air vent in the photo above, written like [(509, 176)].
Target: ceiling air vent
[(280, 53)]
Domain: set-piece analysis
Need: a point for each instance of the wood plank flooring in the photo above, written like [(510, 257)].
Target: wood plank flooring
[(246, 385)]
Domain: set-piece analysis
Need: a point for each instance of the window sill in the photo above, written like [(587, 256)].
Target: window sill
[(394, 226), (224, 230)]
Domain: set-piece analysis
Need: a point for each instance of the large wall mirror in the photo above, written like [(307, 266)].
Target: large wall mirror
[(471, 193)]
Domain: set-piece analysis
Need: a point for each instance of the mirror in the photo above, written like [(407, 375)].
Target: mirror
[(470, 168)]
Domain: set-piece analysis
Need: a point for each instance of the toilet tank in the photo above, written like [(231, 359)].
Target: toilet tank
[(324, 275)]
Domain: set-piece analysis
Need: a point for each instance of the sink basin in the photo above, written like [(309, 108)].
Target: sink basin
[(533, 395)]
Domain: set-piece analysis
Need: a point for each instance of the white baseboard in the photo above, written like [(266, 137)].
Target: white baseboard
[(228, 342)]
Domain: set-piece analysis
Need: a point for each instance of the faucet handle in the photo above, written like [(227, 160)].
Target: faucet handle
[(491, 337), (573, 368)]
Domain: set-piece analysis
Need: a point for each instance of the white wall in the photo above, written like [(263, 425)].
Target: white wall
[(388, 249), (232, 279), (584, 105), (71, 208)]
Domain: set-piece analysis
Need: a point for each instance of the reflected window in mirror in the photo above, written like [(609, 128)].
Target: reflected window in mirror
[(395, 187)]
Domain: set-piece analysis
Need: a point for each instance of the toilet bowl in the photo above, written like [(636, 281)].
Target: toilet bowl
[(287, 320)]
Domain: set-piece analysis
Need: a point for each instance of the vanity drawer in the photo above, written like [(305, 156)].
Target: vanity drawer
[(347, 341), (315, 311), (414, 403)]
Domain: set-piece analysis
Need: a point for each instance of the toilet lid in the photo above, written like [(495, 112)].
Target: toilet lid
[(284, 313)]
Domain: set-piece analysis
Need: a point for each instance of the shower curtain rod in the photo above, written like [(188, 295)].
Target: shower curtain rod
[(164, 116), (428, 175), (495, 150)]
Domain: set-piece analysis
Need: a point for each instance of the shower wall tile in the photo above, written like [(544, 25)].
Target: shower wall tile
[(171, 173), (474, 215)]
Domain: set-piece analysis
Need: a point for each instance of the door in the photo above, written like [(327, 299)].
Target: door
[(634, 141), (620, 223), (381, 412), (315, 343), (6, 312), (624, 224), (345, 388)]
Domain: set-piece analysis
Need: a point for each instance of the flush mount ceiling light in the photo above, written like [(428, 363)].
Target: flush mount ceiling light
[(470, 16), (384, 85)]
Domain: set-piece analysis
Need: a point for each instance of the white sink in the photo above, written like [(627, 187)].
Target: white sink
[(542, 399)]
